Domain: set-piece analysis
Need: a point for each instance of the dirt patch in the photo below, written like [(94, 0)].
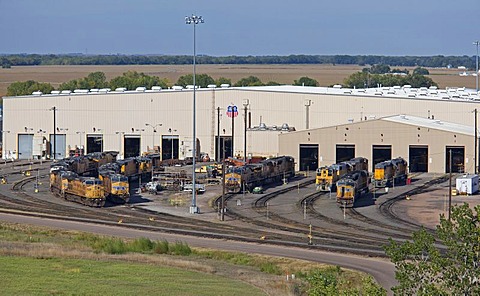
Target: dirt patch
[(426, 208)]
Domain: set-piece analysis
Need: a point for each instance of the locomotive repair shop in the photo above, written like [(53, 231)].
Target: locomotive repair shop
[(135, 121), (425, 143)]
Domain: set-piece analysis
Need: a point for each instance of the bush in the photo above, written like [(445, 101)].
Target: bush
[(161, 247), (110, 246), (180, 248), (141, 245)]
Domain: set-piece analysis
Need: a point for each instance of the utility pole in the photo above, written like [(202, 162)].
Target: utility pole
[(233, 134), (217, 156), (450, 187), (476, 163), (54, 109), (476, 64)]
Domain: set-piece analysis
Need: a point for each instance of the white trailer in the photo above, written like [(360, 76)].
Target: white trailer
[(467, 184)]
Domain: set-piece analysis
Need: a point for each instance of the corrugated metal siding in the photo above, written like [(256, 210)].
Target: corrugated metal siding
[(115, 112)]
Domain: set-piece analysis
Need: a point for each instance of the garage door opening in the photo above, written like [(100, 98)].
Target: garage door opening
[(457, 155), (308, 157), (170, 146), (418, 158), (132, 146), (344, 153), (94, 143), (381, 153), (225, 146)]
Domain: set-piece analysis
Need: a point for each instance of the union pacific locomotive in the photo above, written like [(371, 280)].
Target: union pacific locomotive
[(257, 174), (351, 187), (328, 176), (70, 186), (390, 172)]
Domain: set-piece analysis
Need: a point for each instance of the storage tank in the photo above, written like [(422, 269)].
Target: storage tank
[(467, 184)]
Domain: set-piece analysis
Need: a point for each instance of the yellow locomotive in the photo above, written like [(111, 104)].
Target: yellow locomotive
[(116, 186), (327, 177), (257, 174), (390, 172), (86, 165), (351, 187), (70, 186)]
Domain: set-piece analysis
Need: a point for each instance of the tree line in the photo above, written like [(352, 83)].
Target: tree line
[(80, 59), (377, 75)]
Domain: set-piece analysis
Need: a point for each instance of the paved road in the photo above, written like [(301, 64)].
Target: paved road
[(382, 270)]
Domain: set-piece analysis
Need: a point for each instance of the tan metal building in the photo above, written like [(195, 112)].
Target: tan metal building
[(425, 143), (129, 121)]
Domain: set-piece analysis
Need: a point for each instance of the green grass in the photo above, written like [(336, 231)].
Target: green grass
[(30, 276)]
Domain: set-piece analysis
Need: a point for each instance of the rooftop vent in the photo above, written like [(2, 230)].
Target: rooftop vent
[(262, 126), (285, 127)]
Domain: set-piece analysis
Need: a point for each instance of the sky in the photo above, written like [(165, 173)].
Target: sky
[(241, 28)]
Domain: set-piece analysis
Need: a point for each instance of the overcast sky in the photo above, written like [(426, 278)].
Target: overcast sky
[(242, 27)]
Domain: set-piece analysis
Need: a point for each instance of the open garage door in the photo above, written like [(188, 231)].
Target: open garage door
[(418, 158), (225, 146), (308, 157), (170, 145), (458, 159), (131, 145), (381, 153), (344, 153), (94, 143)]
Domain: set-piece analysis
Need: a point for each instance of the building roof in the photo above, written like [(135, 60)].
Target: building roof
[(431, 123), (406, 91)]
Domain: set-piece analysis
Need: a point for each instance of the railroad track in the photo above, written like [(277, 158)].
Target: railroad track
[(277, 230)]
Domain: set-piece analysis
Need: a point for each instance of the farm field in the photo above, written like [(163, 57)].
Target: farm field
[(326, 75)]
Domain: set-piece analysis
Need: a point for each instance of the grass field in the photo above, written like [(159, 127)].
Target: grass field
[(285, 74), (42, 261), (59, 276)]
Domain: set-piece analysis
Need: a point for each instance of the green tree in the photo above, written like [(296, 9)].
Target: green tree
[(132, 79), (377, 69), (425, 268), (93, 80), (201, 80), (223, 80), (420, 71), (249, 81), (22, 88), (305, 81)]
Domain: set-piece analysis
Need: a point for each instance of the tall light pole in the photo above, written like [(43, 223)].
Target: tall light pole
[(171, 131), (194, 20), (476, 63), (245, 105), (154, 130)]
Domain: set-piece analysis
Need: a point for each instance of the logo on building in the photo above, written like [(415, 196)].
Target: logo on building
[(232, 111)]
